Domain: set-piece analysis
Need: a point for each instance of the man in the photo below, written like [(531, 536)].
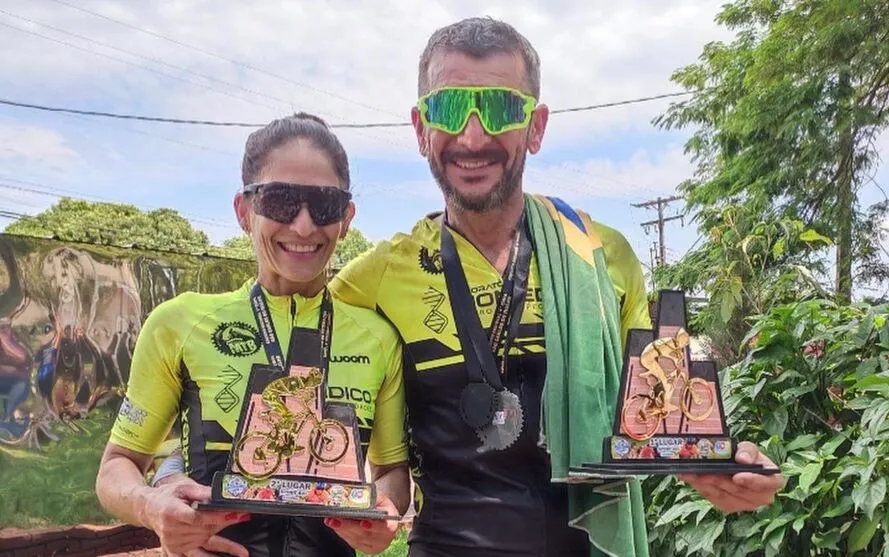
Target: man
[(478, 493), (483, 479)]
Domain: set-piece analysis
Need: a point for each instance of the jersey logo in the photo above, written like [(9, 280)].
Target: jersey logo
[(236, 339), (350, 359), (435, 320), (227, 399), (132, 413), (431, 263)]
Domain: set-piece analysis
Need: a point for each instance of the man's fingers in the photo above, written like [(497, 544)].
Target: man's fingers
[(218, 544)]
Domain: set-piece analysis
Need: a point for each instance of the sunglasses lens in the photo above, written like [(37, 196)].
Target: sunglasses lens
[(282, 203), (328, 206), (448, 109), (499, 109)]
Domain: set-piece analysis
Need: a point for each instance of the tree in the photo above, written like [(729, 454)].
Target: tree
[(787, 115), (354, 244), (113, 224), (350, 247)]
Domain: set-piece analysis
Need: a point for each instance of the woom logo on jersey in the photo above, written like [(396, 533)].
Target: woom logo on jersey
[(350, 359), (431, 262), (236, 339)]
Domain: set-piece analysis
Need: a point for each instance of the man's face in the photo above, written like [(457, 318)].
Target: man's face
[(476, 171)]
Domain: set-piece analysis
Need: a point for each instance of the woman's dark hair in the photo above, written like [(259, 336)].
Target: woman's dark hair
[(299, 126)]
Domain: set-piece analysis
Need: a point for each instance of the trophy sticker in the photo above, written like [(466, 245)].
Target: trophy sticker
[(669, 417)]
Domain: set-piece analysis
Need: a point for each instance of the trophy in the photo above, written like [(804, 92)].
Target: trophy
[(295, 453), (669, 417)]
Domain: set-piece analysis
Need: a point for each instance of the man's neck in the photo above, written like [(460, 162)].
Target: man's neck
[(491, 232)]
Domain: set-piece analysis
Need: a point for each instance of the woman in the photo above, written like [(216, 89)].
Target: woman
[(195, 352)]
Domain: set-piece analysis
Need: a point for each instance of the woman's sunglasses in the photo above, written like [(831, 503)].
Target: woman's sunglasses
[(282, 202)]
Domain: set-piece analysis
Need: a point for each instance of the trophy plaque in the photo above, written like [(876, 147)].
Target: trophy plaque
[(295, 453), (669, 416)]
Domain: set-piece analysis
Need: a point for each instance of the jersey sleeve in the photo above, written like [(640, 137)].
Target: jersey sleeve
[(154, 387), (358, 283), (625, 271), (388, 439)]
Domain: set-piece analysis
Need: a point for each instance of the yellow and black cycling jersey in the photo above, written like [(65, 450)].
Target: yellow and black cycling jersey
[(471, 500), (192, 361)]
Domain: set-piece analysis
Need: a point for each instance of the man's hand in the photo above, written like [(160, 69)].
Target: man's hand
[(744, 491), (368, 536), (183, 530)]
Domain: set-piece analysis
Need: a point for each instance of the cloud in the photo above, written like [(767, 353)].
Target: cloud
[(347, 61), (643, 175), (21, 142)]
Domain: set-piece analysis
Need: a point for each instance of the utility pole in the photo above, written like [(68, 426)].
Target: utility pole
[(660, 203)]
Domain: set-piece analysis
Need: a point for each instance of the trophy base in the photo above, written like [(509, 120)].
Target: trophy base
[(595, 473), (665, 455), (310, 497)]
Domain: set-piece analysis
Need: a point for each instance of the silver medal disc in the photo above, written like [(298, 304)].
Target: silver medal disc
[(506, 425)]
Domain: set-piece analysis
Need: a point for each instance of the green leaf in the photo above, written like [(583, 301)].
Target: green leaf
[(867, 367), (840, 508), (802, 442), (830, 447), (809, 474), (867, 496), (812, 236), (799, 523), (776, 422), (861, 534), (682, 511), (744, 527), (779, 522), (872, 381), (793, 393), (828, 540)]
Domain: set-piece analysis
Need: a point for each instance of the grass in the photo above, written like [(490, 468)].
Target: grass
[(397, 549), (55, 487)]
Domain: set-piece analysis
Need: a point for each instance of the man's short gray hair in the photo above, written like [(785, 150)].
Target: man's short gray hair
[(480, 37)]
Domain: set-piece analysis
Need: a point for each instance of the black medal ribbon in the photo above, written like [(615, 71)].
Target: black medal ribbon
[(269, 337), (478, 400)]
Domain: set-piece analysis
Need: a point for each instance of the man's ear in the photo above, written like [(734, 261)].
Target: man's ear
[(537, 128), (420, 131)]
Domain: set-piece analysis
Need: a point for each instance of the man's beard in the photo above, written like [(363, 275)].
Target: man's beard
[(509, 182)]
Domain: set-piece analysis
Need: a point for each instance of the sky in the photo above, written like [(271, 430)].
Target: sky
[(349, 62)]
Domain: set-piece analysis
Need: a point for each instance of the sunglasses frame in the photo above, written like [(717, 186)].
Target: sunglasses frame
[(528, 109), (345, 196)]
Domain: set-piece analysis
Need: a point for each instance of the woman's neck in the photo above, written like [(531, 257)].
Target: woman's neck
[(276, 285)]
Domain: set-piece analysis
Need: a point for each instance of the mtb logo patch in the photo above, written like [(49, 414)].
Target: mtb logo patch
[(236, 339)]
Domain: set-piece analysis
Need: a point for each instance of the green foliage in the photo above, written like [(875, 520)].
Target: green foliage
[(56, 486), (785, 116), (746, 264), (813, 391), (350, 247), (113, 224)]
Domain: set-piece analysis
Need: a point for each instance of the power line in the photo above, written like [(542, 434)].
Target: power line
[(164, 120), (223, 58), (32, 187), (170, 76)]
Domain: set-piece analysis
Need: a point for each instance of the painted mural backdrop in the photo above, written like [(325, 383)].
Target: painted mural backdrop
[(69, 317)]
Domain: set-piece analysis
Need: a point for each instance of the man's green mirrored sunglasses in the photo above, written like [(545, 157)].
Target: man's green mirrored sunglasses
[(499, 109)]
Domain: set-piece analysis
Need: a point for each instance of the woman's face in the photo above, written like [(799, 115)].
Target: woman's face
[(293, 257)]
